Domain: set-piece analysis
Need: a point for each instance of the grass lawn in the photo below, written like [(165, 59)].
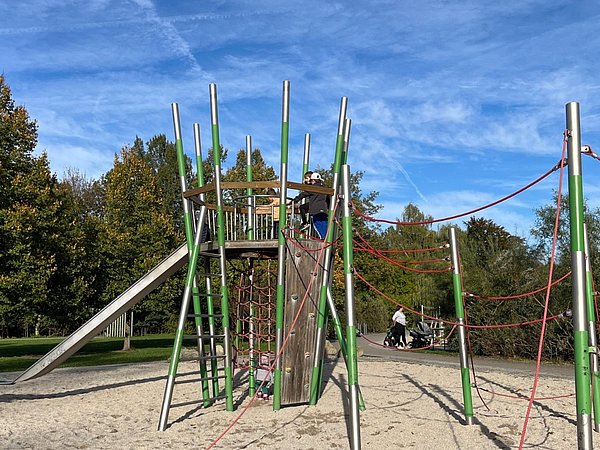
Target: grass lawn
[(18, 354)]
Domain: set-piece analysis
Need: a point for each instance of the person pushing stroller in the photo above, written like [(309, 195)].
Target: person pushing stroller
[(399, 327)]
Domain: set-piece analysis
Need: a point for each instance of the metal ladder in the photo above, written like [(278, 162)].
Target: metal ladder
[(205, 323)]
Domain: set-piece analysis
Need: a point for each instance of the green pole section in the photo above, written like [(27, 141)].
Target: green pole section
[(306, 156), (252, 340), (317, 371), (281, 253), (249, 191), (189, 283), (251, 226), (462, 342), (580, 323), (591, 314), (351, 360), (209, 297), (221, 242), (195, 290)]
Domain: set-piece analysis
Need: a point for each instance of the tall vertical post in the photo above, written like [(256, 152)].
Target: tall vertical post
[(462, 341), (252, 333), (580, 323), (195, 291), (193, 248), (315, 379), (214, 117), (351, 360), (306, 156), (249, 191), (591, 313), (208, 282), (305, 168), (281, 253)]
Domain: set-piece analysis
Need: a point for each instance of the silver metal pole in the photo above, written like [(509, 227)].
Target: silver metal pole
[(592, 331), (281, 249), (462, 341), (327, 260), (249, 192), (350, 319), (580, 330)]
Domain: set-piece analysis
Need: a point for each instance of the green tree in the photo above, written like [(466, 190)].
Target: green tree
[(30, 222), (161, 156), (261, 171), (80, 277), (137, 233)]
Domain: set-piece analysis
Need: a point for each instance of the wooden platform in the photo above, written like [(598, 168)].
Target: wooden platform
[(265, 249)]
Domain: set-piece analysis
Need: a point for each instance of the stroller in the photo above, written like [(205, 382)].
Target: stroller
[(422, 335), (390, 339)]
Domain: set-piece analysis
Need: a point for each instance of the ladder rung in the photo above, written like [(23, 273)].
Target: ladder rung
[(195, 372), (205, 358), (218, 377), (201, 294), (203, 336), (209, 254), (195, 402)]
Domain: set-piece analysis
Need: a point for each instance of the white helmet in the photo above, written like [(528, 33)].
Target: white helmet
[(316, 176)]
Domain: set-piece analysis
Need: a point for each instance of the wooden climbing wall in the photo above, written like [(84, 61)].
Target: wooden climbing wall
[(298, 355)]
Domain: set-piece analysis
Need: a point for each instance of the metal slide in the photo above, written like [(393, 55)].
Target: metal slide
[(114, 309)]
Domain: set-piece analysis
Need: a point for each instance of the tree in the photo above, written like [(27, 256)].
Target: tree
[(261, 171), (161, 156), (30, 222), (80, 273), (137, 233)]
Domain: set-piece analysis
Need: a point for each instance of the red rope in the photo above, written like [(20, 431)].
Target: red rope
[(373, 251), (508, 325), (518, 397), (489, 205), (550, 273), (511, 297)]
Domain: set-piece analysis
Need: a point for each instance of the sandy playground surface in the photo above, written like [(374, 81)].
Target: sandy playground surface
[(408, 405)]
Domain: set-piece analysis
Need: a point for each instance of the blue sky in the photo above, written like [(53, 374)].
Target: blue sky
[(454, 104)]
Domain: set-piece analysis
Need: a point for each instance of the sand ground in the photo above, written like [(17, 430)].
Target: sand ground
[(408, 405)]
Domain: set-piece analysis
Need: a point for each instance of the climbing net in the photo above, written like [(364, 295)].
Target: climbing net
[(254, 315)]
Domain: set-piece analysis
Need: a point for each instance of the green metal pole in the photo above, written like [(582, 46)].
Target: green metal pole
[(249, 191), (195, 290), (208, 282), (251, 227), (591, 313), (351, 361), (189, 283), (580, 322), (462, 341), (252, 340), (221, 242), (306, 156), (337, 325), (317, 371), (281, 253), (305, 168)]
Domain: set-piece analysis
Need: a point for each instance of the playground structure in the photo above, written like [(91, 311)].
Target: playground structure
[(301, 285), (303, 281)]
